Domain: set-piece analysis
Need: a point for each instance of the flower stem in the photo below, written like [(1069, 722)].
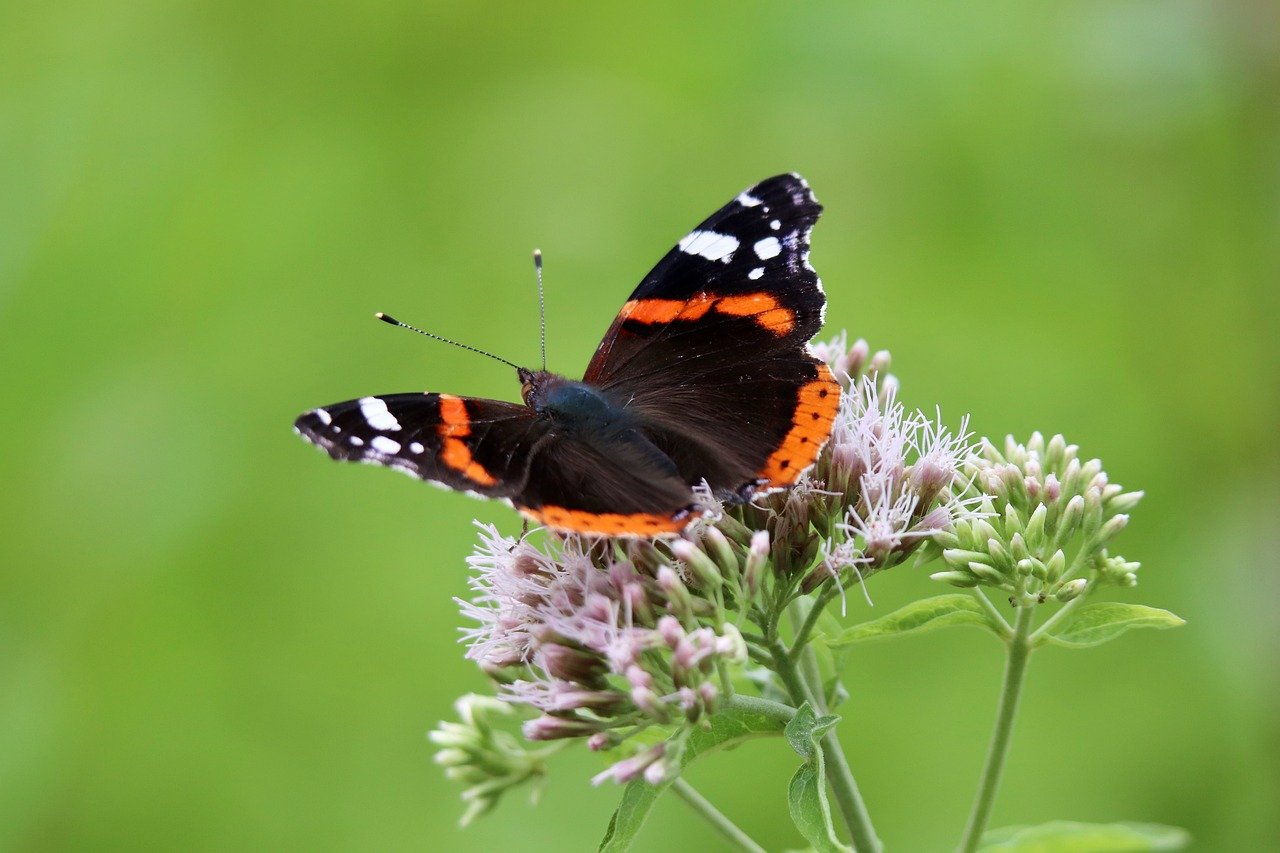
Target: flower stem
[(827, 592), (845, 790), (1006, 630), (1014, 669), (714, 816)]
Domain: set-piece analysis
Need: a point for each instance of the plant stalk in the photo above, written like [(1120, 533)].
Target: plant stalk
[(839, 776), (1015, 667), (715, 817)]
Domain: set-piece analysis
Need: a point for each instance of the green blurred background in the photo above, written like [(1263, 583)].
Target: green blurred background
[(1057, 216)]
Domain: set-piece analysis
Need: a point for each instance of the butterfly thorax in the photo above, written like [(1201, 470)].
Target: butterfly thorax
[(573, 405)]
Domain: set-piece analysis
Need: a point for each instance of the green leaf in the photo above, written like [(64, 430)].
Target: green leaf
[(919, 616), (807, 793), (728, 728), (1065, 836), (1097, 623)]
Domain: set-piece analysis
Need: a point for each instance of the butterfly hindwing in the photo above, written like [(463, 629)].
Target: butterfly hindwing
[(614, 484)]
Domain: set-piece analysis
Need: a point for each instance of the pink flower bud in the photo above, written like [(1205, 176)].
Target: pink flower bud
[(671, 631)]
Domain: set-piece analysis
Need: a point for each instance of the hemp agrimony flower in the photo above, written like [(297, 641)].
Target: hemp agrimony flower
[(1046, 523), (654, 652)]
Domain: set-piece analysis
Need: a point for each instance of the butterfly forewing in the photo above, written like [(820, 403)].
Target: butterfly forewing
[(749, 261), (711, 349), (464, 443)]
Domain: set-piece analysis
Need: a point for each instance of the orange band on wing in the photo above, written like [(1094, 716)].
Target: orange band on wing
[(607, 523), (764, 309), (455, 424), (816, 407), (658, 311), (454, 419)]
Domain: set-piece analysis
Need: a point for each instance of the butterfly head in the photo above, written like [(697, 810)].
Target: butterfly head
[(533, 385)]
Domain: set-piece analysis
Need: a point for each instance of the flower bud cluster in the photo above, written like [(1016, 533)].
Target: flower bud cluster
[(1046, 518), (488, 760)]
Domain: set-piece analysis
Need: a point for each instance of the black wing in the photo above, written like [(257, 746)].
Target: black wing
[(710, 352), (469, 444), (612, 484), (745, 268)]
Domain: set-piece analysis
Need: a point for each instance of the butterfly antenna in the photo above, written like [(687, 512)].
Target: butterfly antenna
[(542, 305), (387, 318)]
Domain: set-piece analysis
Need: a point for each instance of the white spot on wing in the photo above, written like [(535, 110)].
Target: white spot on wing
[(385, 445), (710, 245), (356, 441), (746, 199), (376, 414), (756, 273), (768, 248), (775, 225), (416, 447), (323, 415)]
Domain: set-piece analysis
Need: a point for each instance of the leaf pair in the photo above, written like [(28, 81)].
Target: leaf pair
[(1092, 625)]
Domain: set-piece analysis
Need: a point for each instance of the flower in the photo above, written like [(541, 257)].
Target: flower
[(592, 641), (1047, 517)]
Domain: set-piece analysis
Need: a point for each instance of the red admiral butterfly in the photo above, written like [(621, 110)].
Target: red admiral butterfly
[(705, 374)]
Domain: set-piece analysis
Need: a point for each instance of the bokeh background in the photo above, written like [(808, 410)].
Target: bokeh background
[(1057, 217)]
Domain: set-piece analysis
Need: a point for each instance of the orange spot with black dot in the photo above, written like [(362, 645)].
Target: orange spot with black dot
[(454, 427), (816, 405), (606, 523)]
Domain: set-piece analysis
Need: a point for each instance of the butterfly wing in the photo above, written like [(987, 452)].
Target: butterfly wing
[(618, 484), (745, 268), (610, 484), (710, 352), (464, 443)]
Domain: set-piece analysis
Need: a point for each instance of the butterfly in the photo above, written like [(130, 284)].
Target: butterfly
[(704, 377)]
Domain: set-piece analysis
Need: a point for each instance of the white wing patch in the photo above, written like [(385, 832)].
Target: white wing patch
[(710, 245), (768, 248), (376, 414), (384, 445)]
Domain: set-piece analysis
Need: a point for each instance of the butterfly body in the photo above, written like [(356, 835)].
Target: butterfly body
[(703, 377), (576, 406)]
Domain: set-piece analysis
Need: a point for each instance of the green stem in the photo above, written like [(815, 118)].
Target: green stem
[(1006, 630), (843, 787), (828, 591), (1014, 669), (714, 816)]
